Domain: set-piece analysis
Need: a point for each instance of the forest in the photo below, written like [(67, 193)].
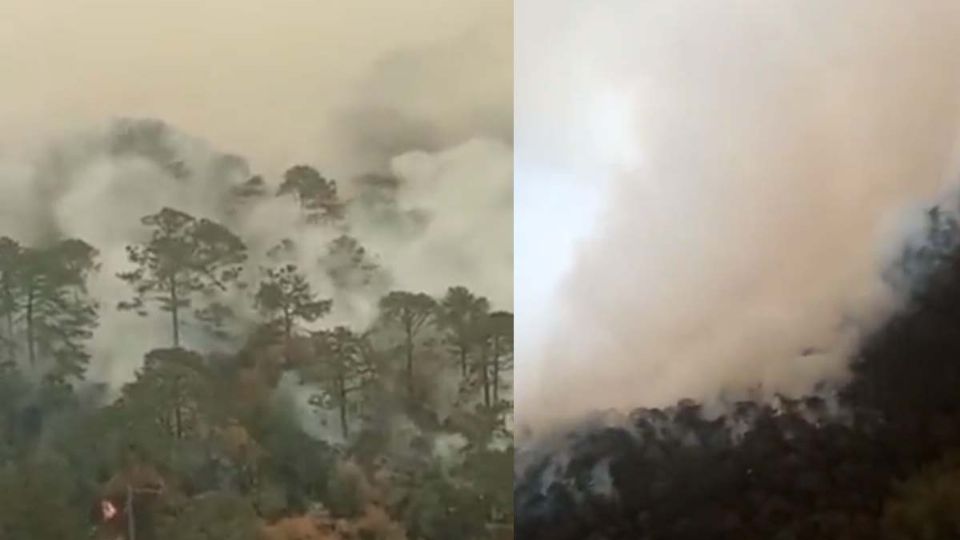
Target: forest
[(877, 457), (258, 418)]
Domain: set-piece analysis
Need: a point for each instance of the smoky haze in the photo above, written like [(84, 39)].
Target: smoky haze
[(417, 94), (756, 163), (266, 79)]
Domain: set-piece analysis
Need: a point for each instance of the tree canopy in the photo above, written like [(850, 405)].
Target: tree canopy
[(183, 258), (209, 442)]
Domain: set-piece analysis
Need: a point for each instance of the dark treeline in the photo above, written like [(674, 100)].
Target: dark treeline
[(878, 458), (219, 446)]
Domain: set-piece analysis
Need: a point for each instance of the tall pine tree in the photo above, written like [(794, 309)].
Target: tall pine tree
[(185, 257)]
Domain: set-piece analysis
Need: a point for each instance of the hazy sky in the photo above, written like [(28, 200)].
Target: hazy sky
[(266, 79)]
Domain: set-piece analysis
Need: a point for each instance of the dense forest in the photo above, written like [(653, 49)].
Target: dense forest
[(877, 457), (258, 419)]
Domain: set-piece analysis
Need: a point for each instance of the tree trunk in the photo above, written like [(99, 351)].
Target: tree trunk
[(175, 312), (166, 421), (463, 361), (12, 345), (343, 408), (178, 422), (496, 369), (485, 375), (287, 324), (131, 524), (31, 347), (409, 347)]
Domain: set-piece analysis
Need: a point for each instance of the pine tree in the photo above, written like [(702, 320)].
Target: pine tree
[(341, 369), (183, 258), (409, 311), (316, 195), (286, 297), (459, 314)]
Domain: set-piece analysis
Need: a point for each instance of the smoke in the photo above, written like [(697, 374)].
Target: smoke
[(96, 185), (418, 96), (433, 123), (465, 194), (757, 165), (275, 81), (432, 97)]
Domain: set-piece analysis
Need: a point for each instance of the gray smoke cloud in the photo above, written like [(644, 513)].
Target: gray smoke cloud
[(734, 178), (427, 163), (432, 97)]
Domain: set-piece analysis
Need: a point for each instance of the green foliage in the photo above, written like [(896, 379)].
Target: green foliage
[(148, 139), (341, 369), (286, 297), (46, 307), (441, 508), (490, 473), (224, 433), (482, 341), (211, 516), (61, 314), (300, 464), (316, 195), (10, 257), (493, 335), (460, 315), (184, 257), (345, 496), (173, 388), (348, 265), (254, 187), (410, 312), (38, 502)]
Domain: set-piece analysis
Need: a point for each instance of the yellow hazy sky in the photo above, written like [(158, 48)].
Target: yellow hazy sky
[(261, 78)]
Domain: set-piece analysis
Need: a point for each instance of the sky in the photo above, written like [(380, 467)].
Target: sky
[(266, 79), (573, 133)]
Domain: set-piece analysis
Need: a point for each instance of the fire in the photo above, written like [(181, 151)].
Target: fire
[(108, 509)]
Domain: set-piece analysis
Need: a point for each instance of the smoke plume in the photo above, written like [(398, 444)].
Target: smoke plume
[(756, 165), (426, 163)]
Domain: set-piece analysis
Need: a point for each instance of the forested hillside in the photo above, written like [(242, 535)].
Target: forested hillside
[(873, 458), (262, 415)]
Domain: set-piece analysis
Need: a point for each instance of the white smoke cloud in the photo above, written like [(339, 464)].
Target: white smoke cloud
[(82, 186), (755, 160), (269, 87), (466, 193)]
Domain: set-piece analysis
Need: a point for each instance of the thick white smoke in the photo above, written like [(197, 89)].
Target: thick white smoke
[(269, 87), (755, 161), (97, 184), (467, 194)]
